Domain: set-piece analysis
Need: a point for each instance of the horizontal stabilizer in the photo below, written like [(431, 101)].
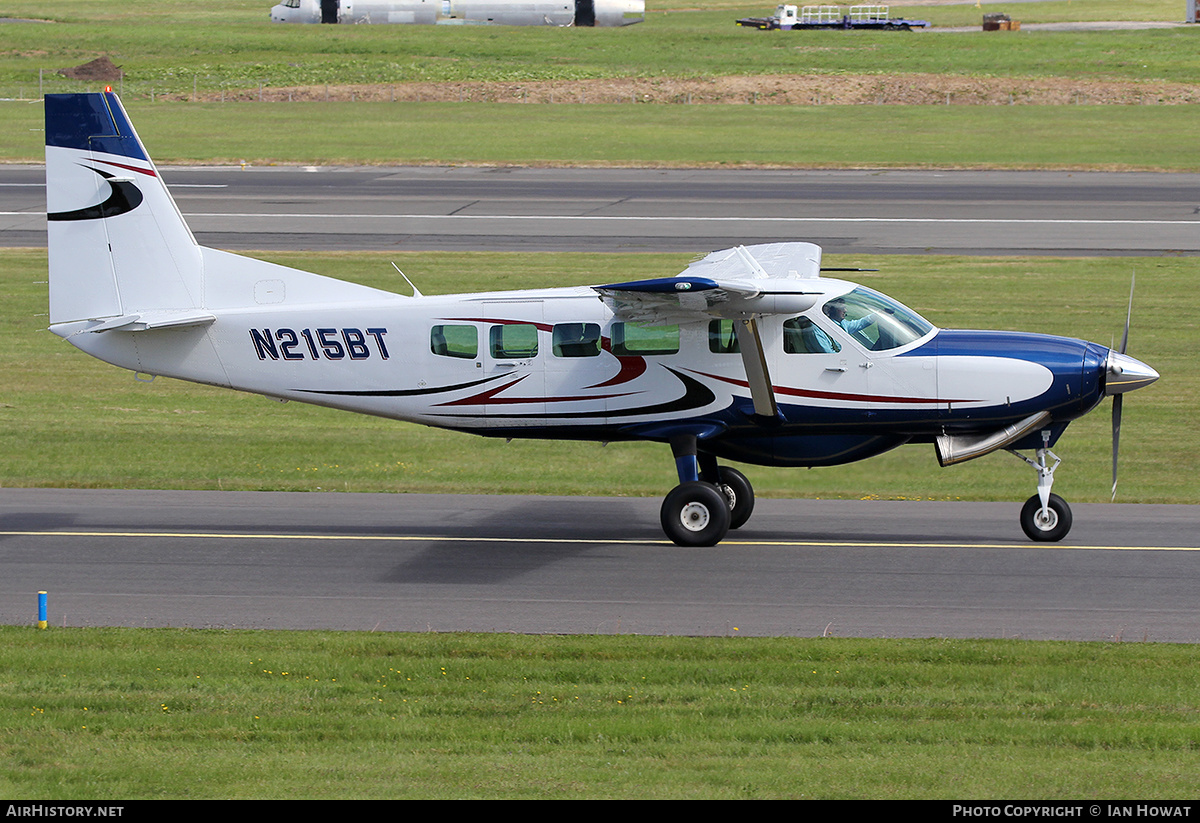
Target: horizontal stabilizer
[(148, 321)]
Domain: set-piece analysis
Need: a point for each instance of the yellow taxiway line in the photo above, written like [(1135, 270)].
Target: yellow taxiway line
[(586, 541)]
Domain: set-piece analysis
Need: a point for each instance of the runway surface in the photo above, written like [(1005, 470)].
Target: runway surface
[(592, 565), (604, 210)]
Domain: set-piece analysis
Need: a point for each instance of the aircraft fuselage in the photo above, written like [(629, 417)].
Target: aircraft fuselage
[(512, 365)]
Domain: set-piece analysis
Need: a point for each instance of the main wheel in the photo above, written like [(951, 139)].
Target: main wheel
[(695, 514), (1048, 526), (740, 493)]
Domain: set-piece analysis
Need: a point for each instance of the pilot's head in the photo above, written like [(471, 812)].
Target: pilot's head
[(836, 309)]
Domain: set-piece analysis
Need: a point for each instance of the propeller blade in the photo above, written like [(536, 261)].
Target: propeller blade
[(1116, 437), (1129, 314)]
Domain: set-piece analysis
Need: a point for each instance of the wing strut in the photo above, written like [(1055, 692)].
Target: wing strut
[(755, 361)]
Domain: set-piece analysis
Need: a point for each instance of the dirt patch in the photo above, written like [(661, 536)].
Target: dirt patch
[(100, 69), (792, 90)]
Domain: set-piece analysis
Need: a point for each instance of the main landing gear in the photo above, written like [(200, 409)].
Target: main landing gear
[(709, 500), (1045, 517)]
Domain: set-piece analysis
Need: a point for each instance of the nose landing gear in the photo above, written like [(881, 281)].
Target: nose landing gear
[(1045, 517)]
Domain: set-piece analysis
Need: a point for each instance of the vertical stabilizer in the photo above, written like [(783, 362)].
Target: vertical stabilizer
[(117, 242)]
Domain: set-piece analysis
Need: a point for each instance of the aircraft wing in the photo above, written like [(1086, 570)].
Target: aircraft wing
[(742, 284)]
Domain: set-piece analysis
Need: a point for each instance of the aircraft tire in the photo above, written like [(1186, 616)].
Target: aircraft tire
[(1053, 528), (740, 493), (695, 514)]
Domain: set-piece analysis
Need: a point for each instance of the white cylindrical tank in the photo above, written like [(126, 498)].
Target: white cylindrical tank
[(583, 13)]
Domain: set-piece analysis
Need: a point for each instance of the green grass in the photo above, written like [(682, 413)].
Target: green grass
[(1158, 138), (68, 420), (126, 714)]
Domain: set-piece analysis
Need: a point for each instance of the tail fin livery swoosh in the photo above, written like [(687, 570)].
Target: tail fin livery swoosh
[(125, 197)]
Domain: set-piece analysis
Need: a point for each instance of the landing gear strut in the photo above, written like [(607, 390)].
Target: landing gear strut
[(1045, 517), (709, 500)]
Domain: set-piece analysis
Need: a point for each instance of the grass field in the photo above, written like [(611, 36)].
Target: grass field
[(1157, 138), (113, 715)]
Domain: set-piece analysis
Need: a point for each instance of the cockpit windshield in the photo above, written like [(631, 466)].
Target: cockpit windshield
[(876, 321)]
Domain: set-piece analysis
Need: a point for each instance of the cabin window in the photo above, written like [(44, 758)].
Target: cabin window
[(576, 340), (803, 336), (638, 340), (513, 340), (454, 341), (722, 337)]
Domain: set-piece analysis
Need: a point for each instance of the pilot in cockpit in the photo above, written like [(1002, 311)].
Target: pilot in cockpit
[(836, 310)]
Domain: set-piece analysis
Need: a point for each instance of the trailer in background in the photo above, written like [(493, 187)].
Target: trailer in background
[(788, 18)]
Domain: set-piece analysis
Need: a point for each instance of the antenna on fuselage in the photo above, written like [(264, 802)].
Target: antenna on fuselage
[(416, 291)]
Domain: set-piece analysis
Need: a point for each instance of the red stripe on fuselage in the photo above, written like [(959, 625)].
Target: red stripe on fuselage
[(829, 395)]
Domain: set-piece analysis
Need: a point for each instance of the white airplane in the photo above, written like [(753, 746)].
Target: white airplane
[(464, 12), (749, 354)]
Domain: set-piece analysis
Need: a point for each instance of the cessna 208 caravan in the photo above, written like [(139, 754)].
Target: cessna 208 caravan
[(749, 354)]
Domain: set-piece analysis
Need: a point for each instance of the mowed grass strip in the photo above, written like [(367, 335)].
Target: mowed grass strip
[(1016, 137), (67, 420), (121, 714)]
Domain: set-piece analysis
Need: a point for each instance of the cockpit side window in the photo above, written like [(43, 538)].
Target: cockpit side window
[(875, 321)]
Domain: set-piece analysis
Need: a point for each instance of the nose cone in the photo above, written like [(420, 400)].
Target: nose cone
[(1123, 373)]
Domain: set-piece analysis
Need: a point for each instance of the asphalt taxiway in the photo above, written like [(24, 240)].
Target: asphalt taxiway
[(678, 210), (592, 565)]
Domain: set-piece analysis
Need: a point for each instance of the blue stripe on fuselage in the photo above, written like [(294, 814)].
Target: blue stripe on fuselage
[(1077, 365), (1047, 349)]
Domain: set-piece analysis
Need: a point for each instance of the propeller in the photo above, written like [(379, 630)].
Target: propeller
[(1119, 399), (1123, 374)]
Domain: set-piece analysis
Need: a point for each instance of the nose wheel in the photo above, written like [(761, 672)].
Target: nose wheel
[(1047, 523), (1045, 517)]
